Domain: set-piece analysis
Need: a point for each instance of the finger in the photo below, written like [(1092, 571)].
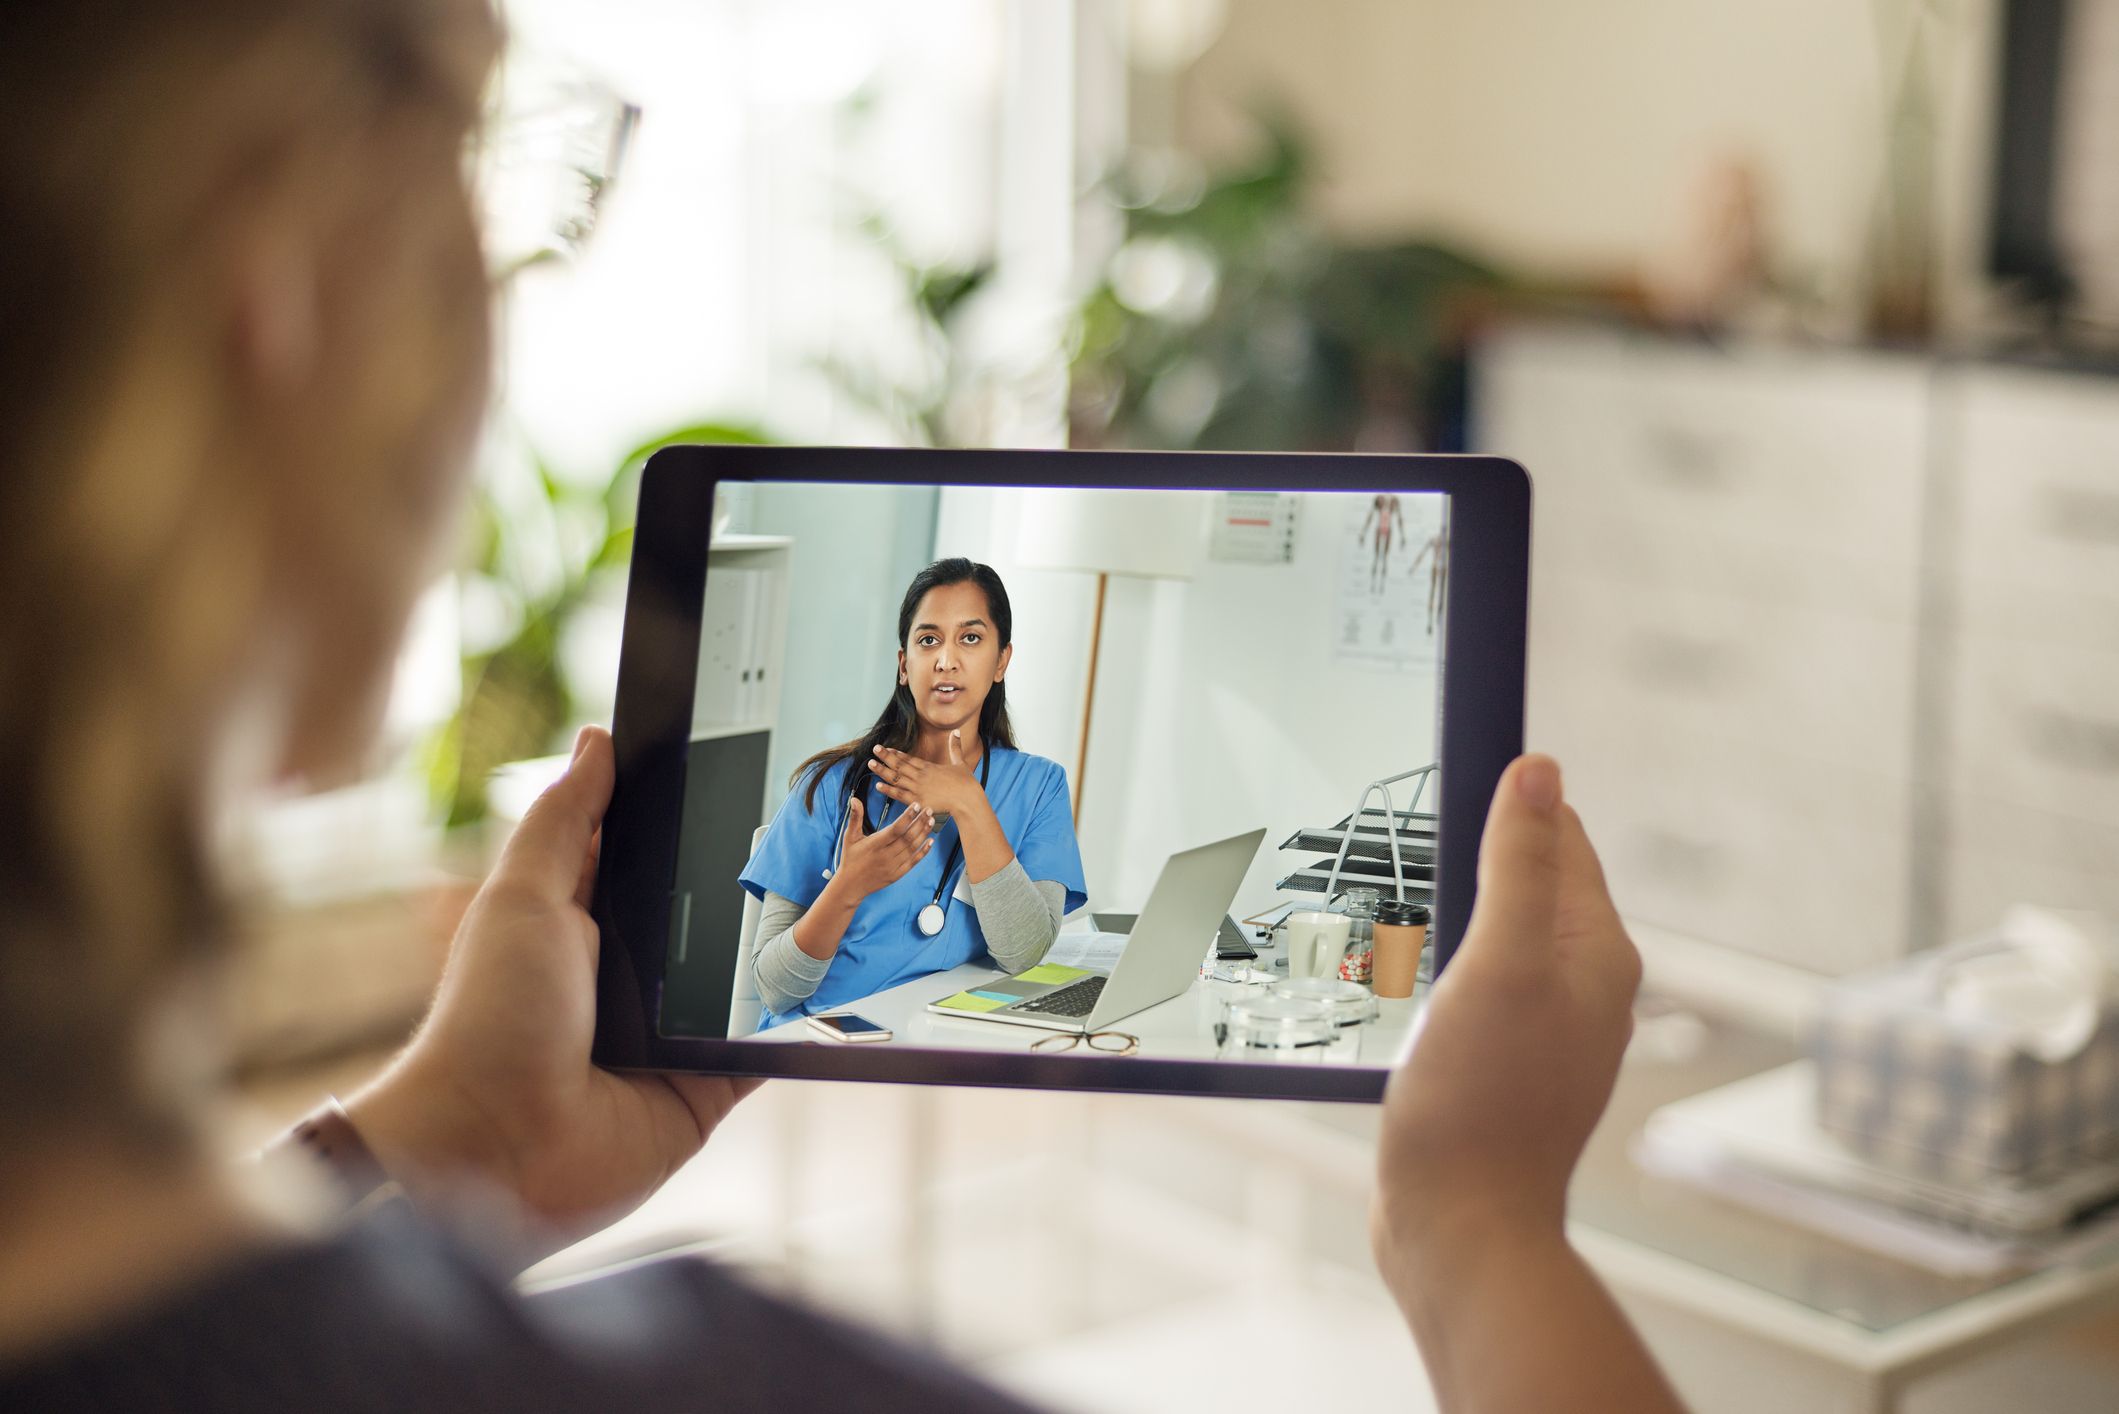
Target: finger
[(1520, 860), (711, 1097), (894, 793), (585, 891), (1587, 924), (551, 847), (855, 814), (913, 820)]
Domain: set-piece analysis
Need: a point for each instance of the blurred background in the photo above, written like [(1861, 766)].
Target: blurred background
[(1804, 318)]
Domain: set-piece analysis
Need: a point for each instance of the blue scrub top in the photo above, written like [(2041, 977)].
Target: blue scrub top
[(882, 945)]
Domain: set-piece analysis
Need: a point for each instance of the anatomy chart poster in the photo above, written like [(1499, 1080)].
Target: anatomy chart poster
[(1393, 574)]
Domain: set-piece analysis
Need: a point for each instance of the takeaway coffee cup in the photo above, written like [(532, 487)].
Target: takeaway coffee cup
[(1401, 931)]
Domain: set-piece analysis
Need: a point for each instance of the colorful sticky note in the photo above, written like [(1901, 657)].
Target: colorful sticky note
[(1051, 972), (972, 1001)]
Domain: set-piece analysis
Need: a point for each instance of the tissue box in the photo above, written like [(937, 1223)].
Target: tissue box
[(1903, 1083)]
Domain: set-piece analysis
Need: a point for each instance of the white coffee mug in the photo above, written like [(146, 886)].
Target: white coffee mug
[(1316, 942)]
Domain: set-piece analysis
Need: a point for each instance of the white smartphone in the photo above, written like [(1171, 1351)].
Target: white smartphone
[(845, 1026)]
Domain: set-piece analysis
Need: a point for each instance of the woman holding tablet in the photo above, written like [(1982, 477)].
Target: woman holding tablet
[(246, 354), (929, 842)]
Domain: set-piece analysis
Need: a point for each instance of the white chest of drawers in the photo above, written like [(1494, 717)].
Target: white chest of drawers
[(1828, 641)]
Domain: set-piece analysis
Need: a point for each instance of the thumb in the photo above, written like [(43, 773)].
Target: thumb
[(1520, 861), (956, 739), (856, 816), (549, 848)]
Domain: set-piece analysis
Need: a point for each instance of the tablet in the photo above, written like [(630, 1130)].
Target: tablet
[(1155, 709)]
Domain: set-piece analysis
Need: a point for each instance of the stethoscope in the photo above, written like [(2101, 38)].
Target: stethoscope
[(936, 913)]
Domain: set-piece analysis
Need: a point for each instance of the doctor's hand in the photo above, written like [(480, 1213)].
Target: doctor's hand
[(945, 788), (496, 1093), (871, 862), (1483, 1124)]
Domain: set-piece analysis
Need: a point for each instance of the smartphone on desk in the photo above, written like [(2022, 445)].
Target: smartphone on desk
[(845, 1026)]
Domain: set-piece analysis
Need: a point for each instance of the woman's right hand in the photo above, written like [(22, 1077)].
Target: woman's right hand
[(871, 862), (1483, 1122)]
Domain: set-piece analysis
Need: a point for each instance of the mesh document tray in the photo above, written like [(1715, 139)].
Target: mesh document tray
[(1368, 854), (1416, 838)]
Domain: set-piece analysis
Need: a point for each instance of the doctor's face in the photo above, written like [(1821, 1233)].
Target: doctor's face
[(952, 656)]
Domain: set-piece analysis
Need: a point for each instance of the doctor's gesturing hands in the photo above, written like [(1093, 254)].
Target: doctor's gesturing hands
[(867, 864), (944, 787), (871, 862), (949, 788)]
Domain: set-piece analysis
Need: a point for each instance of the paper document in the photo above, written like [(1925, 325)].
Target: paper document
[(1098, 951)]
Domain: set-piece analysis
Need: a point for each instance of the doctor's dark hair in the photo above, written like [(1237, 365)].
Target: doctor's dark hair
[(899, 726)]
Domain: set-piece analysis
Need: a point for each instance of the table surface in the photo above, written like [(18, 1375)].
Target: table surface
[(1868, 1293), (1179, 1029), (1874, 1300)]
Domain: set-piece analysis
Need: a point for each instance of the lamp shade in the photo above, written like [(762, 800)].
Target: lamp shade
[(1155, 534)]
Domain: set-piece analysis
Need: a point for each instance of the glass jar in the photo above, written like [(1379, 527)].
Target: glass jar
[(1350, 1003), (1359, 962), (1278, 1031)]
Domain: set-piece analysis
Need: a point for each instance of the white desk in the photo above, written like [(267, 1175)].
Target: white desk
[(1181, 1028)]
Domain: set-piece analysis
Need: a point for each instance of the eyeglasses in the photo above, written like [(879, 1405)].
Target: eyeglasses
[(1109, 1043), (545, 159)]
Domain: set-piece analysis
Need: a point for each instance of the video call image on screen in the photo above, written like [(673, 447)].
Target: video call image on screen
[(1123, 740)]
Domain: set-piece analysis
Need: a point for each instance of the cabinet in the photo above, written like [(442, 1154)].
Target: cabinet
[(2031, 780), (1726, 593), (742, 652), (1827, 641)]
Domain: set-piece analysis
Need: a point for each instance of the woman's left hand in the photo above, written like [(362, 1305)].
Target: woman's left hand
[(946, 788), (497, 1091)]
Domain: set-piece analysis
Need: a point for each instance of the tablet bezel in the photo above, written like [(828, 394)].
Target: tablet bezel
[(1479, 721)]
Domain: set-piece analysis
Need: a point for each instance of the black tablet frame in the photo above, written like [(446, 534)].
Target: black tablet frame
[(1479, 721)]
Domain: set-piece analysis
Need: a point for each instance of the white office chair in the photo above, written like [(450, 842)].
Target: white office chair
[(744, 1005)]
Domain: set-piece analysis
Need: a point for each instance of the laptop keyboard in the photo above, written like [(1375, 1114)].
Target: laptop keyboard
[(1074, 999)]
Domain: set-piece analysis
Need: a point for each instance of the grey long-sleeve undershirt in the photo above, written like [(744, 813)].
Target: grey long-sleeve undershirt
[(1019, 916)]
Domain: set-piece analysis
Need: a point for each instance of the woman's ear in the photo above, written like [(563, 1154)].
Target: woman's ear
[(901, 667), (1000, 669), (274, 313)]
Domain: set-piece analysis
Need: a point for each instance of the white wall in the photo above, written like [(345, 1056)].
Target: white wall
[(856, 548), (1567, 135), (1218, 706)]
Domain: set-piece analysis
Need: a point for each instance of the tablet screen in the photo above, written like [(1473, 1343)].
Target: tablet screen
[(1032, 769)]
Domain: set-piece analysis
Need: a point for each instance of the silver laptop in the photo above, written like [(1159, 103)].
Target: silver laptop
[(1171, 935)]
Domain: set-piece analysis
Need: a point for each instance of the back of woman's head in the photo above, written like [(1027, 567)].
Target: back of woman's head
[(245, 340)]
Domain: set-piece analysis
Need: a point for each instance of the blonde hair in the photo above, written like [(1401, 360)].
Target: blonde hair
[(144, 503)]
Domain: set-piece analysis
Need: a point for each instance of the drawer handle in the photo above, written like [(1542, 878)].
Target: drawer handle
[(2077, 743), (2072, 513), (1678, 664), (1674, 859), (1693, 461)]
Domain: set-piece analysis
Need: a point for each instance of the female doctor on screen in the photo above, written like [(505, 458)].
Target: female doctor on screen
[(931, 841)]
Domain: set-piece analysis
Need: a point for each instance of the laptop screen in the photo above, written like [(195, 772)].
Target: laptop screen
[(944, 740)]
